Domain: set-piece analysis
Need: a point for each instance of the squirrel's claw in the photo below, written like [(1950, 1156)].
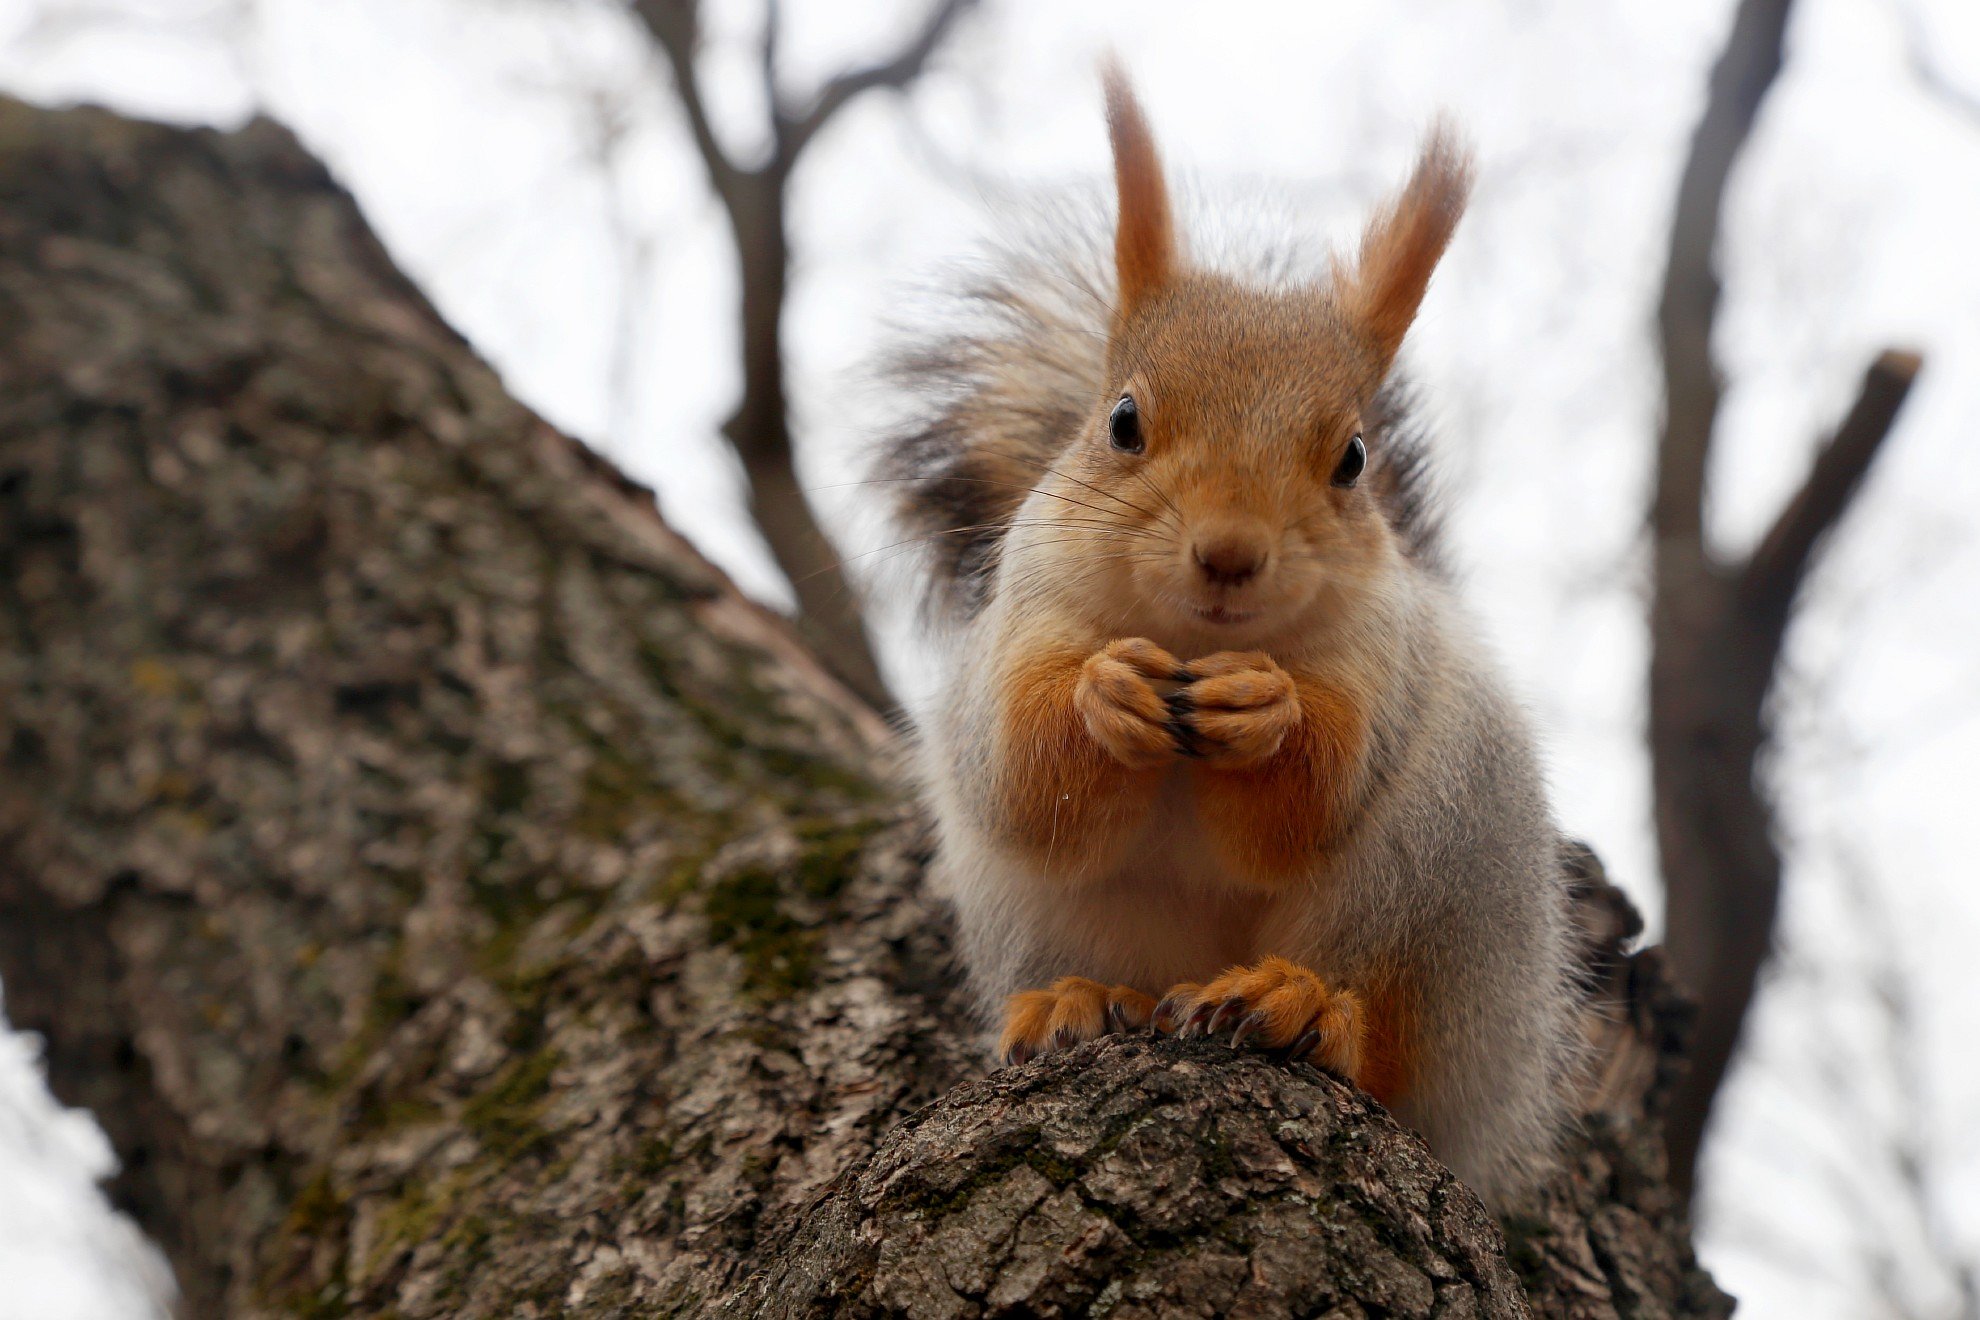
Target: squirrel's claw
[(1251, 1024), (1073, 1009), (1167, 1016), (1237, 708), (1224, 1011), (1287, 1008), (1300, 1048), (1198, 1022)]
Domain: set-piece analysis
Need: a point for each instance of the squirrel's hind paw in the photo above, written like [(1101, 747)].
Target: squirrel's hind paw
[(1277, 1004), (1074, 1009)]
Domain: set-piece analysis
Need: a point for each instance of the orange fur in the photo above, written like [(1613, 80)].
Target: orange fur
[(1144, 238), (1062, 793), (1279, 1004), (1404, 241), (1392, 1041), (1272, 820), (1074, 1009)]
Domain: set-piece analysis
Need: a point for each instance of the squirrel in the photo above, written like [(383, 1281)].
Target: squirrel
[(1216, 748)]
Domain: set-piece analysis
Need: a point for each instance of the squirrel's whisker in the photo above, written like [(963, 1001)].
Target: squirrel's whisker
[(1059, 523), (1061, 472)]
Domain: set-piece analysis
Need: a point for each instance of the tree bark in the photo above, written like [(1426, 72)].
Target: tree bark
[(455, 900)]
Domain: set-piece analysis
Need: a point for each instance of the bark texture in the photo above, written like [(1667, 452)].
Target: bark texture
[(455, 900)]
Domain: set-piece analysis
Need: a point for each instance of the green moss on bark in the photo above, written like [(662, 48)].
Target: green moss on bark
[(507, 1116)]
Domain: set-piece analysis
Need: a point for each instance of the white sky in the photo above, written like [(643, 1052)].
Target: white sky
[(473, 132)]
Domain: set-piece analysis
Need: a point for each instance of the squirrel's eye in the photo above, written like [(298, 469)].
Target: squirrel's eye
[(1124, 426), (1355, 459)]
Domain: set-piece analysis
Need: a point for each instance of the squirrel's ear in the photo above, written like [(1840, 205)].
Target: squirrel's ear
[(1144, 238), (1403, 242)]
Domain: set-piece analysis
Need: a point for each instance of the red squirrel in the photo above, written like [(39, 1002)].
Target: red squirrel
[(1217, 749)]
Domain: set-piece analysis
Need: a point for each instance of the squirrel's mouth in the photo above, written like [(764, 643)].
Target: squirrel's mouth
[(1219, 615)]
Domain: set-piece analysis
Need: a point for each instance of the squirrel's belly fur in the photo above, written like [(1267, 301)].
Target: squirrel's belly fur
[(1157, 909), (1212, 727)]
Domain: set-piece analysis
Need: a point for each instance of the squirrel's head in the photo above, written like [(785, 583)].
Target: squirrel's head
[(1223, 464)]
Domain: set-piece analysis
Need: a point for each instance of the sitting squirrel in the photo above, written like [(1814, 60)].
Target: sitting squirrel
[(1214, 729)]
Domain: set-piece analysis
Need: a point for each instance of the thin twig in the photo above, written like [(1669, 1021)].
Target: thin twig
[(1688, 304), (896, 72), (1774, 571)]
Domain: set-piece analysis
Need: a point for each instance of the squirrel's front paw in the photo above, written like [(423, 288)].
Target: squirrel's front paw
[(1239, 705), (1116, 697), (1073, 1010), (1280, 1005)]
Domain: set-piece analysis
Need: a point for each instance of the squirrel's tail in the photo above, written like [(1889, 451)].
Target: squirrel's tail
[(995, 395)]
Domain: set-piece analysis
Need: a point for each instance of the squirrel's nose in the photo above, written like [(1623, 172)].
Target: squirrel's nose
[(1229, 560)]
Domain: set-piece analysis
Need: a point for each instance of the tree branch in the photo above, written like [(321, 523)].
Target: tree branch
[(1774, 572), (1709, 673), (457, 902), (773, 32), (753, 200), (896, 73), (1688, 305), (676, 29), (1962, 101)]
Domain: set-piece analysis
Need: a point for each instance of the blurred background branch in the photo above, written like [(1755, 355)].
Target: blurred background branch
[(1718, 623), (1925, 59), (755, 200)]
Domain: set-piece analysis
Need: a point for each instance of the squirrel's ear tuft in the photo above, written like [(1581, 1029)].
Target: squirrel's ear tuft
[(1404, 241), (1144, 237)]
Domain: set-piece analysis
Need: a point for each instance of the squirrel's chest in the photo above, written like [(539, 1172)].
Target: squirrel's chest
[(1170, 846), (1167, 895)]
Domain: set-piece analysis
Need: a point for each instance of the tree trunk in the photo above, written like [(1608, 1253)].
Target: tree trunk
[(1712, 661), (828, 607), (455, 900)]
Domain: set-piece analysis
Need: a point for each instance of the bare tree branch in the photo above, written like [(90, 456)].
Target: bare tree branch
[(1962, 101), (754, 201), (675, 26), (895, 73), (1688, 305), (1717, 627), (1775, 570), (1714, 830), (773, 32)]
